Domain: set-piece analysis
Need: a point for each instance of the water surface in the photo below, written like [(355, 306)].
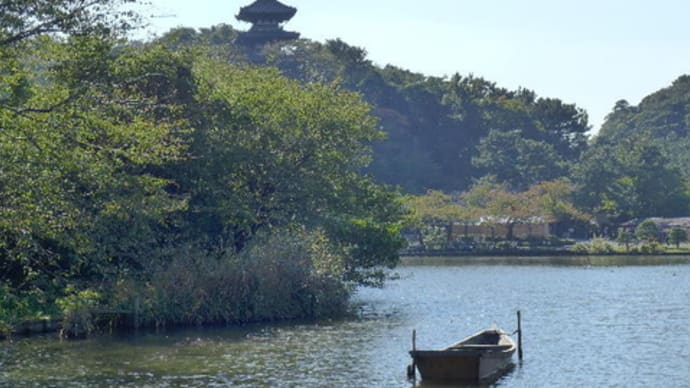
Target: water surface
[(584, 325)]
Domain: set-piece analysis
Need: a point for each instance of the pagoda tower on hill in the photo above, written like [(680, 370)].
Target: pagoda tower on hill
[(266, 17)]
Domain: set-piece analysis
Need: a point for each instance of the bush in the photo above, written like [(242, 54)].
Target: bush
[(435, 237), (651, 247), (648, 231), (78, 312), (595, 247), (21, 306), (506, 246), (284, 275)]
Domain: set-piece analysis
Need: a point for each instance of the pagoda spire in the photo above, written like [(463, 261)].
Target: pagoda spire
[(266, 17)]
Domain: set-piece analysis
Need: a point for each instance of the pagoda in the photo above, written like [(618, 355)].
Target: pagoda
[(266, 17)]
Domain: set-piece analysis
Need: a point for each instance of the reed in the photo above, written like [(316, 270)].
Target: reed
[(282, 276)]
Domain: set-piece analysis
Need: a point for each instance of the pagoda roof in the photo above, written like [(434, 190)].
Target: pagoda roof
[(266, 10)]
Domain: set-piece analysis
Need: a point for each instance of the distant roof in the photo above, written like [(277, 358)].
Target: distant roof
[(670, 222), (266, 9)]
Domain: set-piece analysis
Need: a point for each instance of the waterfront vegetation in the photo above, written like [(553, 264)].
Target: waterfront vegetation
[(157, 183), (148, 186)]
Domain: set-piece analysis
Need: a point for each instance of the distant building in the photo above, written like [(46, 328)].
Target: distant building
[(665, 225), (266, 17), (498, 228)]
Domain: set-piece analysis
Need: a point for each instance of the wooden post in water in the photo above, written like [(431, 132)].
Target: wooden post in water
[(411, 373), (519, 333)]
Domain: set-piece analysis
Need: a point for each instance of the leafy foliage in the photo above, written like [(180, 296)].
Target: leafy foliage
[(597, 246), (630, 178), (626, 238), (114, 160), (225, 192), (662, 118), (269, 153), (648, 231), (24, 19), (677, 236), (434, 125)]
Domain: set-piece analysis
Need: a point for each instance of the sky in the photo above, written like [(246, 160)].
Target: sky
[(591, 53)]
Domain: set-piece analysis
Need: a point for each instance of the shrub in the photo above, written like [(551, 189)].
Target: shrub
[(648, 231), (651, 247), (677, 236), (16, 307), (594, 247), (284, 275), (78, 312)]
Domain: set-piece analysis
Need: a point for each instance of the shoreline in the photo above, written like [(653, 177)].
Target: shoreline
[(581, 260), (525, 257), (540, 252)]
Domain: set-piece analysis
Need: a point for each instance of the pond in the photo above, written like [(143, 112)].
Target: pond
[(585, 323)]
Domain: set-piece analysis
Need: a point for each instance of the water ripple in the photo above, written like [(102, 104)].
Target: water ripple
[(584, 326)]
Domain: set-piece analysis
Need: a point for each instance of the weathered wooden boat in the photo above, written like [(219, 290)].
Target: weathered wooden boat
[(477, 358)]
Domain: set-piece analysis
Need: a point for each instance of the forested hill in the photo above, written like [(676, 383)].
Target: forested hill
[(639, 164), (662, 118), (442, 133)]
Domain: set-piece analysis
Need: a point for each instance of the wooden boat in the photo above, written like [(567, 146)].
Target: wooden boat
[(479, 357)]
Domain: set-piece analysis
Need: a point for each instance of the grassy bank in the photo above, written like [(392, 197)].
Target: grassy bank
[(595, 246), (281, 277)]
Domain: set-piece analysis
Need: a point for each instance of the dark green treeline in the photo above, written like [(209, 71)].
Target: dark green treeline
[(173, 186)]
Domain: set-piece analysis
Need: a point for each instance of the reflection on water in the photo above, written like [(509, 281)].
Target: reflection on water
[(415, 383), (586, 325)]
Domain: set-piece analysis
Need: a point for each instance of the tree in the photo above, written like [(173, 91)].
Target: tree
[(555, 200), (632, 178), (677, 236), (117, 160), (563, 126), (496, 204), (661, 117), (435, 212), (648, 231), (626, 238), (80, 144), (550, 201), (518, 161), (80, 159), (435, 206), (22, 19), (268, 152), (433, 125)]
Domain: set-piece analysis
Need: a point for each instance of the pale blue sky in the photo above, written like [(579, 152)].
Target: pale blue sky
[(588, 52)]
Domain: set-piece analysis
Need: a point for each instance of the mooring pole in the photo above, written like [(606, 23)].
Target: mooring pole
[(519, 333), (411, 373)]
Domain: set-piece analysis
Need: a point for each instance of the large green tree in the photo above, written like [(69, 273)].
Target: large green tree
[(518, 161), (267, 152), (630, 178), (81, 139), (663, 118)]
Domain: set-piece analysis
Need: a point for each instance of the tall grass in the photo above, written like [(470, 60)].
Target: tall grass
[(283, 275)]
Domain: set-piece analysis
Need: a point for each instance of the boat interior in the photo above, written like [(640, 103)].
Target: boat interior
[(485, 339)]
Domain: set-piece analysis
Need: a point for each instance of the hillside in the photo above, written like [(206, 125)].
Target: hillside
[(662, 118), (442, 133), (448, 133)]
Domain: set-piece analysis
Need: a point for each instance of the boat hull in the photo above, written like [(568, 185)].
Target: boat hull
[(460, 366), (470, 360)]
